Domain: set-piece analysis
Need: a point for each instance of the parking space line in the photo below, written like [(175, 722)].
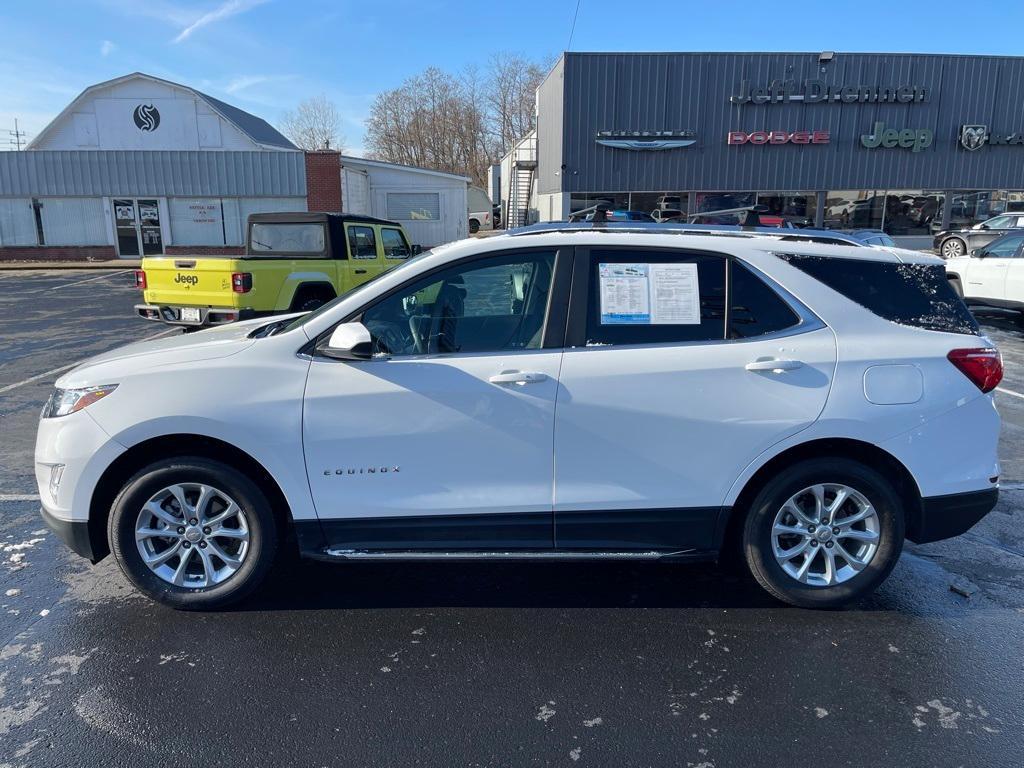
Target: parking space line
[(1010, 392), (18, 497), (69, 366), (86, 280)]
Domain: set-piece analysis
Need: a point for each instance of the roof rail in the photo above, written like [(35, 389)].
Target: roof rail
[(674, 228)]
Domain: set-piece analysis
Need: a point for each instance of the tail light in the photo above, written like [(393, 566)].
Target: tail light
[(241, 282), (140, 279), (982, 365)]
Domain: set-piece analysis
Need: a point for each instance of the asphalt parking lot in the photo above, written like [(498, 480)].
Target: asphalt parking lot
[(488, 664)]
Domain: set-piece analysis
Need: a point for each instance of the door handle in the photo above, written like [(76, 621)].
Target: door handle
[(774, 366), (360, 271), (517, 377)]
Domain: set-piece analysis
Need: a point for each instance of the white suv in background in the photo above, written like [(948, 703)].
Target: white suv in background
[(564, 392), (991, 275)]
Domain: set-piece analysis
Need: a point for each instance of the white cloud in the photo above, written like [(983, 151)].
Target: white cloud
[(107, 48), (246, 81), (223, 11)]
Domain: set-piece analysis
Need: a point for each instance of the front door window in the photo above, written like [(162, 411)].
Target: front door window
[(137, 226)]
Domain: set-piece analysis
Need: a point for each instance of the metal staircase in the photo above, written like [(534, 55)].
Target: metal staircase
[(520, 187)]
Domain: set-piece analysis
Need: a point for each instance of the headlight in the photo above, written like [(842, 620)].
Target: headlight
[(65, 401)]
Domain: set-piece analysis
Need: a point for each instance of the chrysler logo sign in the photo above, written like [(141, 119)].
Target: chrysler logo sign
[(778, 137), (646, 140), (974, 137), (820, 92), (146, 117)]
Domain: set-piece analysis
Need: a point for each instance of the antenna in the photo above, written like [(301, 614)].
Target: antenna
[(16, 136)]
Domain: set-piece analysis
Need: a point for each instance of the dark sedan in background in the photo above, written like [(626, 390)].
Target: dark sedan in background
[(951, 244)]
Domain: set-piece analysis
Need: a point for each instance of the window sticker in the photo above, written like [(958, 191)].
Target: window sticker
[(649, 294)]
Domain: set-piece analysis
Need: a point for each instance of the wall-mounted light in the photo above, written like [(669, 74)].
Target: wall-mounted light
[(826, 56)]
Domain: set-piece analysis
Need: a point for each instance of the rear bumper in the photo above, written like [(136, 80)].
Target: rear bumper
[(943, 517), (74, 533), (171, 315)]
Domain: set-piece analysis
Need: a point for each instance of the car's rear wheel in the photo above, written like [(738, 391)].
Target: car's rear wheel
[(193, 533), (953, 248), (824, 533), (474, 226)]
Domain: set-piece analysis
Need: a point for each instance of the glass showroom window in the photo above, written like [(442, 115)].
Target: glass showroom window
[(709, 202), (796, 208), (660, 205), (912, 211), (967, 208), (854, 209)]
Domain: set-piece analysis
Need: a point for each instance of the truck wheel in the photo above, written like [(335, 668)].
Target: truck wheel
[(192, 533), (474, 226), (824, 532), (308, 299)]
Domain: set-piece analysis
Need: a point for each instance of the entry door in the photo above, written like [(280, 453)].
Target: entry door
[(137, 226), (987, 274), (669, 390), (442, 441)]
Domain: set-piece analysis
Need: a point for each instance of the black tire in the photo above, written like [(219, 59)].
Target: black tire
[(306, 300), (474, 226), (262, 529), (958, 289), (757, 532), (952, 247)]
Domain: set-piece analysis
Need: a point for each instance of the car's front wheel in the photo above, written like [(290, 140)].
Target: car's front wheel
[(824, 532), (953, 248), (193, 533)]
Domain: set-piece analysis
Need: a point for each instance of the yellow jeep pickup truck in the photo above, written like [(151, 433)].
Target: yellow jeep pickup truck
[(293, 262)]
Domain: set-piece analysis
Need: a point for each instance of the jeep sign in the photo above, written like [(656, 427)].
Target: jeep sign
[(914, 139), (778, 137)]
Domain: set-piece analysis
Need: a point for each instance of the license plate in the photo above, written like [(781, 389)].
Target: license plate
[(190, 314)]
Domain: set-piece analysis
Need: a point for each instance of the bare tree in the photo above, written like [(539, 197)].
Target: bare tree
[(512, 87), (456, 123), (315, 124)]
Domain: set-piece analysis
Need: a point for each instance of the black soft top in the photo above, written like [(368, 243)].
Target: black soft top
[(335, 225)]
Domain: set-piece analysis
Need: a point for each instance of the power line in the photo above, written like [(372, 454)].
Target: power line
[(573, 30)]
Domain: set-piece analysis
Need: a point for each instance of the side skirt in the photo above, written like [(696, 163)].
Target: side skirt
[(535, 555)]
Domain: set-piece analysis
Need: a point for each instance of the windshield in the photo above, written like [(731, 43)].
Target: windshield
[(300, 321), (286, 238)]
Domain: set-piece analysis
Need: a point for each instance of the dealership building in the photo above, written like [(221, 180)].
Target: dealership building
[(139, 165), (908, 143)]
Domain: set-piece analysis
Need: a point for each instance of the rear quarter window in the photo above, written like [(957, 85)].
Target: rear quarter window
[(915, 295)]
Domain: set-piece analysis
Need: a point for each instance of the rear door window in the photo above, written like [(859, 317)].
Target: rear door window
[(917, 295), (1005, 247)]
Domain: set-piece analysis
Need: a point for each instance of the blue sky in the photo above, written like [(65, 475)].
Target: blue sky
[(266, 55)]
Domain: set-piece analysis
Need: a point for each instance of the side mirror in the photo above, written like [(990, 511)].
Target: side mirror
[(417, 249), (349, 341), (981, 225), (978, 253)]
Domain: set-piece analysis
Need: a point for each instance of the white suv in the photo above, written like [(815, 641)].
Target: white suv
[(563, 392), (991, 275)]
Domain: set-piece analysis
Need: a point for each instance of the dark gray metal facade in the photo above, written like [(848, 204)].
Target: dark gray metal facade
[(592, 92)]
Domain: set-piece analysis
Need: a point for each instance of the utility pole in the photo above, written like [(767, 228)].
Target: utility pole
[(16, 136)]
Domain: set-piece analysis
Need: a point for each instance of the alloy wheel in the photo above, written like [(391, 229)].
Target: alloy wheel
[(825, 534), (192, 535), (952, 248)]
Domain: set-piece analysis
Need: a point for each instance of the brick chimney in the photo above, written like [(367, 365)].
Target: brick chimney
[(323, 180)]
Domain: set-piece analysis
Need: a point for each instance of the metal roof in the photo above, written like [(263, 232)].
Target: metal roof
[(152, 172), (257, 129)]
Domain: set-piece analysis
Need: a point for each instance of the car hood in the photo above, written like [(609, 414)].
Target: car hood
[(108, 367)]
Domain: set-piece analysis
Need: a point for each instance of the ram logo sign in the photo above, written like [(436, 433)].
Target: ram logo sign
[(146, 117)]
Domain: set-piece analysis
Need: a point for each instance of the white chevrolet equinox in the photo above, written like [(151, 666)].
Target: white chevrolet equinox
[(561, 392)]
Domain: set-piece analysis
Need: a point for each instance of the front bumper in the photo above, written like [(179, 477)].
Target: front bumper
[(171, 314), (943, 517), (74, 533)]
